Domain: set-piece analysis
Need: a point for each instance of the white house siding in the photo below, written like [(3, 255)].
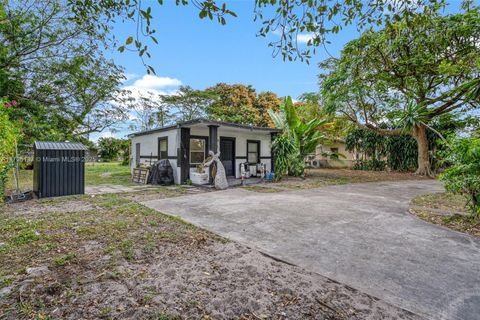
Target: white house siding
[(149, 146), (241, 136)]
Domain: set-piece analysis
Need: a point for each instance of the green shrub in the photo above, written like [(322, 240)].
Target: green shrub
[(463, 176), (8, 137), (371, 165)]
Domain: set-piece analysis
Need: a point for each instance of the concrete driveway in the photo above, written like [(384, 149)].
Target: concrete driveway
[(358, 234)]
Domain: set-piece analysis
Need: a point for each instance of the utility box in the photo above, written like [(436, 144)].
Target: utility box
[(58, 169)]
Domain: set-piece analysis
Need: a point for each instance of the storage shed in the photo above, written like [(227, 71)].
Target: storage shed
[(58, 169)]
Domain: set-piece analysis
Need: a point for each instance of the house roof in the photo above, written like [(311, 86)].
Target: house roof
[(206, 122), (48, 145)]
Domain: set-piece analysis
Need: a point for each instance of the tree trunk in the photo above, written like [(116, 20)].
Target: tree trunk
[(419, 133)]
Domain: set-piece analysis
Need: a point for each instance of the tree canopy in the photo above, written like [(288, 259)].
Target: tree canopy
[(408, 73), (53, 67), (286, 18)]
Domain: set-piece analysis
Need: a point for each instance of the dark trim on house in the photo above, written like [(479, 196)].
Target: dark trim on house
[(265, 158), (272, 151), (164, 138), (241, 157), (155, 157), (213, 144), (206, 148), (213, 137), (258, 149), (184, 154), (234, 140), (186, 124)]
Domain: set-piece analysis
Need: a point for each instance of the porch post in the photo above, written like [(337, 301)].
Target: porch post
[(212, 144), (272, 152), (184, 154)]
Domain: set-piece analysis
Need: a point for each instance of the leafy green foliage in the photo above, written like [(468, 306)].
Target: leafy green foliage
[(111, 149), (463, 177), (289, 19), (429, 58), (9, 134), (369, 165), (238, 103), (298, 139), (55, 69), (188, 103)]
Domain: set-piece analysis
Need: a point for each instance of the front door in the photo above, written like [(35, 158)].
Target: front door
[(227, 155)]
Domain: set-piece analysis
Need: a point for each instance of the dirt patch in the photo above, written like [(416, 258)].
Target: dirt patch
[(456, 222), (122, 260), (206, 279), (447, 210), (35, 208)]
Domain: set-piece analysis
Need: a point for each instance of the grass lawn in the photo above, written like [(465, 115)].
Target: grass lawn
[(95, 174), (109, 257), (445, 209)]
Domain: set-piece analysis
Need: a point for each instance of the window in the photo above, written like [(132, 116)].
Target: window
[(197, 150), (163, 148), (137, 154), (253, 152), (334, 154)]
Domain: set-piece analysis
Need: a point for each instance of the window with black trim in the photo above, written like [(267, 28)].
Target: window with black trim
[(198, 149), (253, 152), (163, 148)]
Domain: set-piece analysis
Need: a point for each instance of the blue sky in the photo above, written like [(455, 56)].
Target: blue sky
[(201, 53)]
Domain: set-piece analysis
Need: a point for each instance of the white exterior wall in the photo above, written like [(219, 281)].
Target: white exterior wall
[(149, 145), (241, 136)]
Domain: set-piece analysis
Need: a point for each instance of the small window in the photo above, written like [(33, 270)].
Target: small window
[(334, 154), (163, 148), (253, 152), (197, 150)]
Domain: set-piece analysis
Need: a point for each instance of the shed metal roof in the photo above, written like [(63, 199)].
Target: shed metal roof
[(206, 122), (48, 145)]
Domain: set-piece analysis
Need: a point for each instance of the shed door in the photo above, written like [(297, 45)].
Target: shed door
[(137, 154), (227, 155)]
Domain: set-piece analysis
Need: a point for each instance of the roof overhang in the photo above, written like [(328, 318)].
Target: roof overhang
[(206, 122)]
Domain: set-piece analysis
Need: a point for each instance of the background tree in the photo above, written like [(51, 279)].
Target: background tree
[(146, 110), (233, 103), (53, 67), (111, 149), (187, 103), (263, 102), (239, 103), (411, 72)]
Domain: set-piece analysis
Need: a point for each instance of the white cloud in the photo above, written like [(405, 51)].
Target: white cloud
[(153, 82), (107, 134), (301, 37), (150, 84), (131, 76), (305, 37)]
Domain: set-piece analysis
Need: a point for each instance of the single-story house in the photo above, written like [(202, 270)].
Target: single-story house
[(346, 160), (186, 145)]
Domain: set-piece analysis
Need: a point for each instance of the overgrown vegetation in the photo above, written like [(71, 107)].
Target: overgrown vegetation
[(9, 135), (298, 139), (463, 174), (414, 70)]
